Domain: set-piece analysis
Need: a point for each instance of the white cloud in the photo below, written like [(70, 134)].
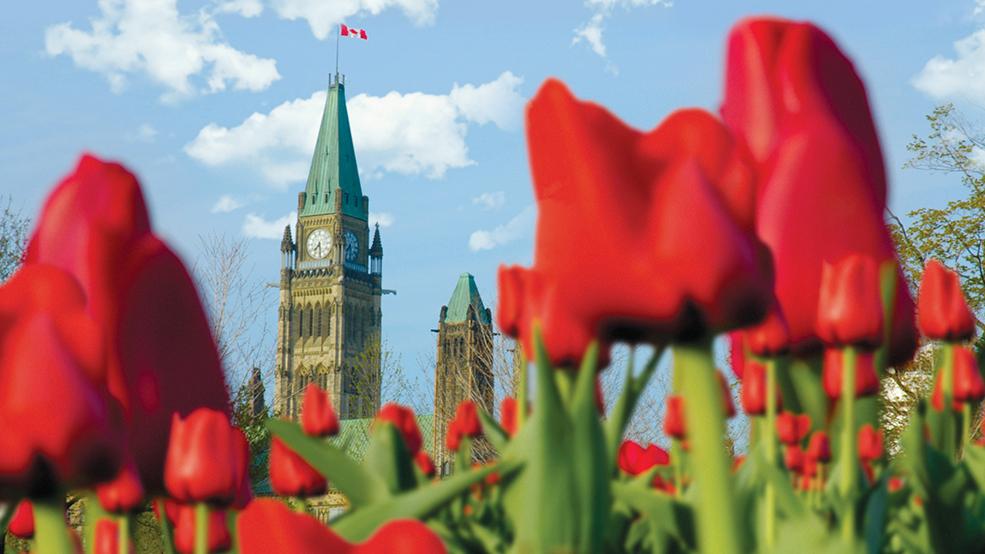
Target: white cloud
[(323, 15), (245, 8), (255, 226), (959, 77), (383, 219), (516, 228), (145, 133), (591, 32), (490, 200), (411, 133), (979, 7), (226, 204), (174, 50)]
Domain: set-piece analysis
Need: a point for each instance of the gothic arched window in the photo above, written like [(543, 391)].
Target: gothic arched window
[(300, 322), (319, 312)]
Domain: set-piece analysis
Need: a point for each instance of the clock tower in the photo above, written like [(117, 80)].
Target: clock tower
[(330, 281)]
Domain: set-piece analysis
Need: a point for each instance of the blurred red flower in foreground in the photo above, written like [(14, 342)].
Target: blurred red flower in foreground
[(124, 493), (795, 101), (634, 459), (291, 475), (604, 189), (402, 418), (942, 311), (60, 427), (318, 418), (22, 523), (267, 526), (791, 428), (850, 309), (95, 226), (869, 443), (674, 423), (217, 533), (108, 538), (508, 415), (207, 458), (866, 379)]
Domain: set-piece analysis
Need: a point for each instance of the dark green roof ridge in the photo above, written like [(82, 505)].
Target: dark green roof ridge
[(466, 294)]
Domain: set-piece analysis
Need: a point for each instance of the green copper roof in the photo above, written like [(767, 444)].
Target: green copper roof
[(333, 167), (466, 293), (353, 435)]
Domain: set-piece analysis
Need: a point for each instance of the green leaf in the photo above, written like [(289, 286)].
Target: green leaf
[(874, 516), (359, 524), (496, 435), (620, 415), (387, 455), (588, 444), (974, 463), (360, 486), (662, 511)]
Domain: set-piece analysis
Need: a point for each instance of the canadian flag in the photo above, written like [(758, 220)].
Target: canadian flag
[(354, 33)]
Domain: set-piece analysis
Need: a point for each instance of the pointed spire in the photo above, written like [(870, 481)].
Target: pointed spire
[(286, 244), (333, 182), (377, 248), (465, 296)]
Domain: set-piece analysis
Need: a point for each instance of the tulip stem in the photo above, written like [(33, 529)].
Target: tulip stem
[(718, 529), (769, 435), (201, 528), (123, 538), (167, 537), (965, 426), (849, 474), (947, 387), (675, 458), (522, 392), (51, 535)]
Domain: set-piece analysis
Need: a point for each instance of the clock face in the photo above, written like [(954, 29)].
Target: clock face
[(319, 243), (351, 246)]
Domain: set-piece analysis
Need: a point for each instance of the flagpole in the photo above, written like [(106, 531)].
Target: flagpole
[(338, 33)]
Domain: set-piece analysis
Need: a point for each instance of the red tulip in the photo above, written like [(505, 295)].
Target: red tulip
[(894, 484), (60, 428), (968, 384), (738, 344), (674, 423), (866, 380), (124, 493), (467, 416), (424, 463), (819, 447), (796, 103), (217, 532), (318, 419), (108, 538), (942, 311), (771, 337), (808, 468), (628, 191), (869, 443), (850, 308), (634, 459), (753, 393), (291, 475), (793, 458), (22, 523), (453, 436), (403, 419), (269, 526), (207, 458), (792, 428), (508, 415), (95, 226), (737, 462)]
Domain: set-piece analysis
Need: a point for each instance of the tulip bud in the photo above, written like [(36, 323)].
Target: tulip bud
[(674, 423), (424, 463), (791, 428), (403, 419), (753, 393), (819, 448), (453, 436), (737, 462), (942, 312), (207, 458), (507, 415), (869, 443), (850, 304), (793, 458), (968, 384), (318, 419), (894, 484), (291, 475), (22, 523), (771, 337), (107, 539), (866, 379), (467, 417), (738, 342), (217, 532), (124, 493), (634, 459)]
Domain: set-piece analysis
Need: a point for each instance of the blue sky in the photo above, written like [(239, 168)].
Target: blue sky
[(170, 88)]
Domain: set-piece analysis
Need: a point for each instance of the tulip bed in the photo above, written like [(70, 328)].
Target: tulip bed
[(764, 224)]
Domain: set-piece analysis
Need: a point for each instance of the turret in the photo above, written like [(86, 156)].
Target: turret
[(376, 253), (287, 250)]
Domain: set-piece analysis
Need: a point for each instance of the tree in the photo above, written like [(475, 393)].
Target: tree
[(13, 237)]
